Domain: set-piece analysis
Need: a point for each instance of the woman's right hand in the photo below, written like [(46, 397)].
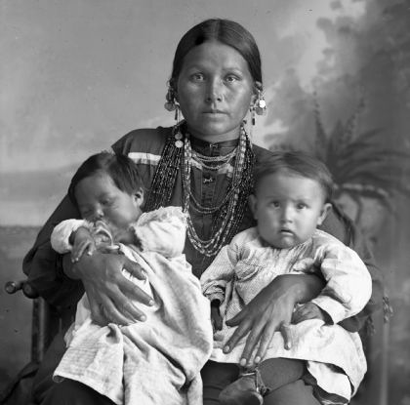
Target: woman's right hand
[(110, 294)]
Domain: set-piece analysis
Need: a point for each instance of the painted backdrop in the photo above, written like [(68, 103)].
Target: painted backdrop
[(75, 75)]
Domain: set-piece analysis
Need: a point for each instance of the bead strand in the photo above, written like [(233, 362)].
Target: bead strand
[(178, 155)]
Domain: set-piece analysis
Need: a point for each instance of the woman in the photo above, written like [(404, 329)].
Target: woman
[(204, 164)]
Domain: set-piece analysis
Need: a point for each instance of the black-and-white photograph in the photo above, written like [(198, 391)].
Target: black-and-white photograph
[(204, 202)]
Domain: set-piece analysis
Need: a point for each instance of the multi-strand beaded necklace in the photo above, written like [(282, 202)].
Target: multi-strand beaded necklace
[(178, 155)]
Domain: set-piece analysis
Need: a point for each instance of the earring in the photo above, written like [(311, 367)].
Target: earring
[(170, 104), (252, 109), (177, 110), (260, 104), (259, 107)]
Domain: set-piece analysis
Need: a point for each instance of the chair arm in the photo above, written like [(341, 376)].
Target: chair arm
[(12, 287)]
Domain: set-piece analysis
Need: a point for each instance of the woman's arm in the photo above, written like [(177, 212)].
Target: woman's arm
[(44, 267), (62, 284)]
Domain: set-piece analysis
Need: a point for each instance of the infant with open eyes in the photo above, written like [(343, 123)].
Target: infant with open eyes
[(291, 199)]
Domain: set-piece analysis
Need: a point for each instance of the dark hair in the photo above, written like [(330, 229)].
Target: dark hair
[(122, 170), (297, 163), (226, 32)]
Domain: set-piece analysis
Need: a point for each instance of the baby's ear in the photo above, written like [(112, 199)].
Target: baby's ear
[(252, 205), (323, 214), (139, 196)]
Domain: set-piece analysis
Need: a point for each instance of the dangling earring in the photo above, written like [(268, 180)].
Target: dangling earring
[(171, 103), (170, 98), (252, 110), (177, 110), (259, 106)]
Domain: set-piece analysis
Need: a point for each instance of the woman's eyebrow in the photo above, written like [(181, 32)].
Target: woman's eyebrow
[(205, 66)]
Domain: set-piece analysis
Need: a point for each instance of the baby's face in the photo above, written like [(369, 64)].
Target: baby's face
[(288, 209), (98, 198)]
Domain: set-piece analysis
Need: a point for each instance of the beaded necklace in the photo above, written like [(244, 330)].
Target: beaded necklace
[(213, 163), (165, 175), (178, 154)]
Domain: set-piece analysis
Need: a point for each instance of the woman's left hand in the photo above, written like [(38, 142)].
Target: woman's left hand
[(270, 311)]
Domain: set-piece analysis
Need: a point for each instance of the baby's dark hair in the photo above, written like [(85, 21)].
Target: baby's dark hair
[(297, 163), (122, 170)]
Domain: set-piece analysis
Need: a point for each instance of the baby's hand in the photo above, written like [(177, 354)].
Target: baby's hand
[(216, 316), (309, 311), (83, 244)]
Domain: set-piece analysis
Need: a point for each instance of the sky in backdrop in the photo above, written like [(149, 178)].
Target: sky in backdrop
[(76, 75)]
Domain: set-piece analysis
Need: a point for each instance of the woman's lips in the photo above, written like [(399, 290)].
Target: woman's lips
[(216, 112)]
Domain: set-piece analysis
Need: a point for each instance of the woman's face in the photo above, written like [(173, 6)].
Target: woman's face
[(215, 90)]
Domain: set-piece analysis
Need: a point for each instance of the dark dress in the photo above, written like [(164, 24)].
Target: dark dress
[(44, 269)]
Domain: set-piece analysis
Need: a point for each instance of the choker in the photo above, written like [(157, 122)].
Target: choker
[(178, 155)]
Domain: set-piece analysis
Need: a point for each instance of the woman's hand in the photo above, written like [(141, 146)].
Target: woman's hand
[(110, 294), (270, 311)]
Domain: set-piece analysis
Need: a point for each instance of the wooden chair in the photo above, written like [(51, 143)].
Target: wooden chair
[(45, 324)]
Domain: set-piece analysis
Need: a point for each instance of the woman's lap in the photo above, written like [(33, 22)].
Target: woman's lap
[(74, 393), (216, 376), (295, 393), (43, 381), (70, 392)]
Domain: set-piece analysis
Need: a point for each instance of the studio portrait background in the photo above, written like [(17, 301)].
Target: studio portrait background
[(76, 75)]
